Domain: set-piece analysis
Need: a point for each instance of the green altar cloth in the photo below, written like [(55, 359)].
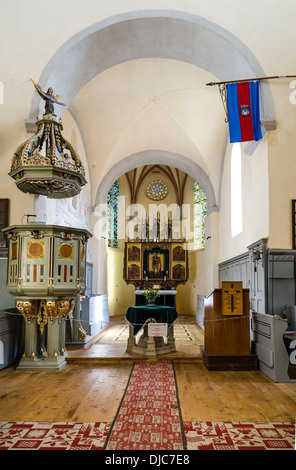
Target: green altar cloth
[(137, 316)]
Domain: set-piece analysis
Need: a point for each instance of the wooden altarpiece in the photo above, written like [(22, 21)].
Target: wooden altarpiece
[(156, 262)]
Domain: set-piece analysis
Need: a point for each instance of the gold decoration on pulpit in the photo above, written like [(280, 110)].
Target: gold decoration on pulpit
[(51, 310), (81, 333), (36, 234), (35, 250), (41, 316), (27, 309), (66, 251), (67, 235), (82, 252), (13, 251), (64, 308)]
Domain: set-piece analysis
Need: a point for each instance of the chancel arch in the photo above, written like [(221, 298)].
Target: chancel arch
[(169, 167), (157, 157), (148, 34)]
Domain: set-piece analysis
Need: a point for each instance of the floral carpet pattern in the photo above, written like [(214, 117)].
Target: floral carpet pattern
[(184, 335)]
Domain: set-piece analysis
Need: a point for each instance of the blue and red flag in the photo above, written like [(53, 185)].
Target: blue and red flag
[(243, 111)]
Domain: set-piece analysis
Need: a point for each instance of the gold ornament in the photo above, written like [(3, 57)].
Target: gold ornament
[(26, 308)]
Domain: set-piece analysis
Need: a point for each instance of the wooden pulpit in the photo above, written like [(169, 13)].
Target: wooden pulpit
[(227, 329)]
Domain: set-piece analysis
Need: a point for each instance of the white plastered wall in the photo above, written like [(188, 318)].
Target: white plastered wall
[(255, 201), (282, 166)]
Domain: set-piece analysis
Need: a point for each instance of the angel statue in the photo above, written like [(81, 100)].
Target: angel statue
[(49, 97)]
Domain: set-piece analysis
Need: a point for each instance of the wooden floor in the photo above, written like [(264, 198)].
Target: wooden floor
[(116, 353), (91, 391)]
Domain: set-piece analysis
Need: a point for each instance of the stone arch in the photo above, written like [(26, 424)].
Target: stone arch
[(149, 34), (161, 157)]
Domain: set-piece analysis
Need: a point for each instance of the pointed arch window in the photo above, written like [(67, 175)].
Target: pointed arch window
[(112, 213), (200, 213)]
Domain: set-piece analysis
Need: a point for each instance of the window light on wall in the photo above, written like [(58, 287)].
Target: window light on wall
[(236, 191), (200, 212), (112, 213)]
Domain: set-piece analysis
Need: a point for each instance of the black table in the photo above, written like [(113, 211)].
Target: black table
[(137, 316)]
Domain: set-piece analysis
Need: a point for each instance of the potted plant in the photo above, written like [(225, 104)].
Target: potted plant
[(151, 294)]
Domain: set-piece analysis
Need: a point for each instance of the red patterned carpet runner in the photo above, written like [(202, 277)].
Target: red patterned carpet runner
[(31, 435), (149, 415), (240, 436), (44, 435)]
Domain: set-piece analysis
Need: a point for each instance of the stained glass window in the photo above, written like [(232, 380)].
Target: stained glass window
[(200, 212), (112, 212), (157, 190)]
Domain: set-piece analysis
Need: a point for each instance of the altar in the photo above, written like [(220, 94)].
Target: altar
[(161, 265), (151, 343)]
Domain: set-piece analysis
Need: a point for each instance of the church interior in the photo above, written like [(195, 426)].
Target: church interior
[(147, 254)]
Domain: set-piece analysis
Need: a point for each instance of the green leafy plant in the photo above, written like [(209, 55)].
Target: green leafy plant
[(151, 294)]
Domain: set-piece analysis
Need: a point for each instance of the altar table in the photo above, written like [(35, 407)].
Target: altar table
[(139, 317)]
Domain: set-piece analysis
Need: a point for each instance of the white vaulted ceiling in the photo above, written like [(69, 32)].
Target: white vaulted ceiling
[(152, 104)]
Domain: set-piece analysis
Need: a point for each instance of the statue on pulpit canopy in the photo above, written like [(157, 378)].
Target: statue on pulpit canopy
[(48, 97)]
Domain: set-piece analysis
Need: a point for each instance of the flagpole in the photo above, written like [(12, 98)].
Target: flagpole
[(222, 88), (251, 79)]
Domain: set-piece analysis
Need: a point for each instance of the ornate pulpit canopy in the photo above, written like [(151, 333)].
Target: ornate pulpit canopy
[(47, 163)]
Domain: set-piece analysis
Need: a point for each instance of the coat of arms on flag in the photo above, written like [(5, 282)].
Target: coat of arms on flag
[(244, 110)]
